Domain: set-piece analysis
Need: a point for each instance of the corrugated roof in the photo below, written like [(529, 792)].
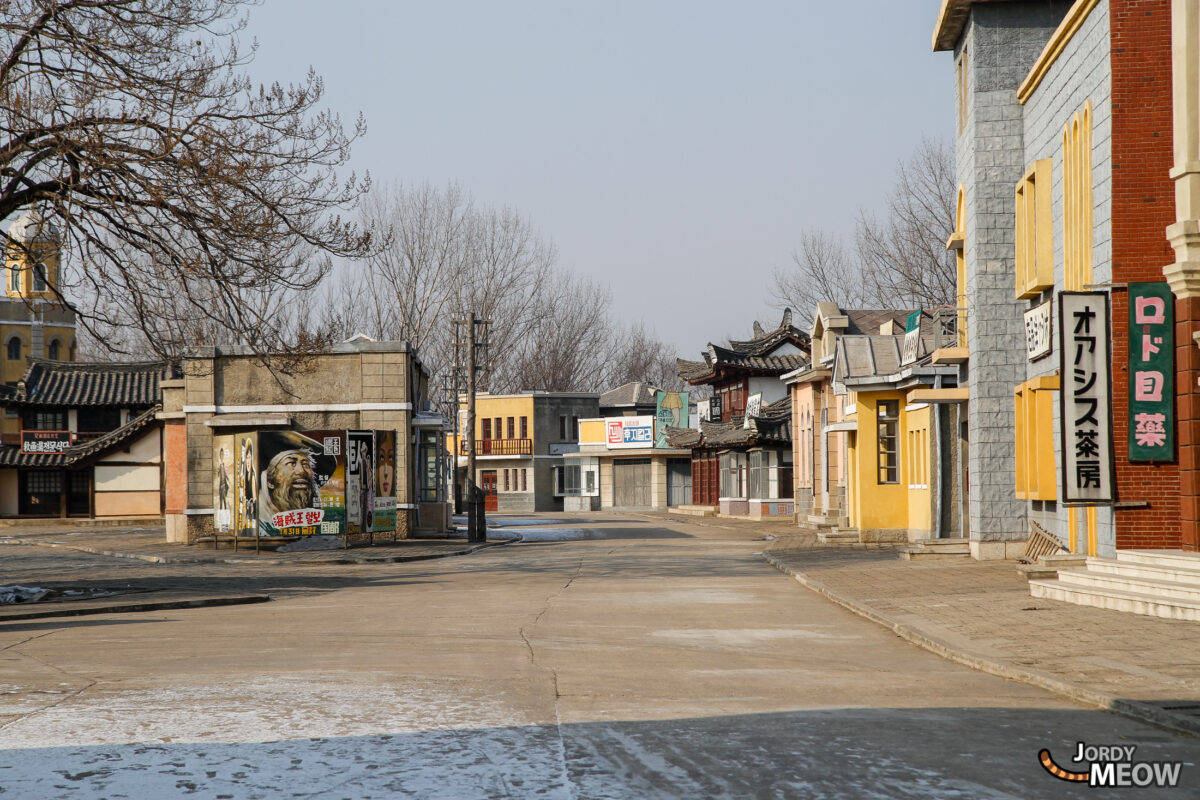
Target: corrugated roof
[(630, 394), (63, 383)]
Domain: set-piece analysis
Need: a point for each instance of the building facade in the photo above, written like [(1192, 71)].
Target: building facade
[(353, 424), (519, 441)]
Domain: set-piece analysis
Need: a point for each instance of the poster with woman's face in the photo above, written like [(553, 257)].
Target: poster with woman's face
[(223, 483), (360, 481), (385, 481)]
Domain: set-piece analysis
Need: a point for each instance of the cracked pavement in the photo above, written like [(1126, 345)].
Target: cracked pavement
[(653, 659)]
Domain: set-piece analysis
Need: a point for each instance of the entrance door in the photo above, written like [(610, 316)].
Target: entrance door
[(679, 481), (487, 482), (631, 483)]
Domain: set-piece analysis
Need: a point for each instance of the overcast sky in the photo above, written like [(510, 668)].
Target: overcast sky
[(673, 150)]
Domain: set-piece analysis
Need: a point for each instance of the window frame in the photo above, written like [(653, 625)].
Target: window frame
[(887, 430)]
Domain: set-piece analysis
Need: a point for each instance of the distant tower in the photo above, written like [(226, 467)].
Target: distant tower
[(33, 320)]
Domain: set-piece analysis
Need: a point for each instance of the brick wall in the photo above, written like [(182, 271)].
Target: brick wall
[(1143, 205)]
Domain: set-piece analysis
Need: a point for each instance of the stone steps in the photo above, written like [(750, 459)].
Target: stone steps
[(928, 549), (1155, 583), (835, 535)]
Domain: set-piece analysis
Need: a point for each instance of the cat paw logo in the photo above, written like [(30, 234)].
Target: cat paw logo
[(1113, 765)]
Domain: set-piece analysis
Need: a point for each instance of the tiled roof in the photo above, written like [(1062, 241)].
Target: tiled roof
[(630, 394), (82, 453), (750, 355), (773, 425), (65, 383)]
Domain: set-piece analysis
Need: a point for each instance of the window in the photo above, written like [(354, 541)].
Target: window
[(1035, 231), (733, 475), (1077, 200), (512, 428), (591, 481), (1035, 473), (487, 428), (567, 480), (888, 412), (574, 432), (14, 278), (764, 474), (562, 429), (524, 427), (497, 429), (506, 485), (14, 349), (960, 85), (45, 420), (524, 485), (52, 351), (917, 455), (39, 277)]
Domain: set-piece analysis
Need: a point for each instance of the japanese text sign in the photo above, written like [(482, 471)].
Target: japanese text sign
[(1086, 397), (1151, 372)]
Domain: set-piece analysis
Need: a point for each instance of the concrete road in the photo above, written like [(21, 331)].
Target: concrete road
[(633, 661)]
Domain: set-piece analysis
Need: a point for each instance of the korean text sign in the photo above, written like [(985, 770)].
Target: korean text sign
[(1151, 372), (1085, 402)]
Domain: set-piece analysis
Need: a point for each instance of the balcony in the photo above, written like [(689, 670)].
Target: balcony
[(500, 447), (950, 335)]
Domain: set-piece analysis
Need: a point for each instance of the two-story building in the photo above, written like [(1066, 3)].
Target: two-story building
[(519, 441)]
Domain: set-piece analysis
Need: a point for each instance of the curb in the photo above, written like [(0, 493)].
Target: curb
[(126, 608), (153, 559), (1143, 712)]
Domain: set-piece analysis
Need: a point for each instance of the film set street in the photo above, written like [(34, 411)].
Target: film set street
[(618, 655)]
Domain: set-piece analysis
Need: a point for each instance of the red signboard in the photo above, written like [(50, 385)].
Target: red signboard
[(43, 442)]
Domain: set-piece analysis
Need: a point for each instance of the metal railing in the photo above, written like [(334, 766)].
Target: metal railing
[(949, 327), (500, 447)]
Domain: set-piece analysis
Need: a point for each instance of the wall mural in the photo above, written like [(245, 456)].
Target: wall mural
[(672, 411)]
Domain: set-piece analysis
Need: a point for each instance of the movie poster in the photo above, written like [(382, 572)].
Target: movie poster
[(223, 488), (360, 481), (332, 491), (293, 466), (245, 495), (385, 481)]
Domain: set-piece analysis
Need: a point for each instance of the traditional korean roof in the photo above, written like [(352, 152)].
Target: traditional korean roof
[(73, 384), (755, 355), (630, 395), (82, 453), (772, 426)]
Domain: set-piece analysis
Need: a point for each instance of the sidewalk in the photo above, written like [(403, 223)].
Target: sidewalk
[(149, 544), (980, 614)]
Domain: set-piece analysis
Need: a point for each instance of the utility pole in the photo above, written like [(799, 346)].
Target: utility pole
[(476, 357)]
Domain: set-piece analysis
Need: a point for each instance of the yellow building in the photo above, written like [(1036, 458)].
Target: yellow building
[(904, 465), (519, 442), (34, 322)]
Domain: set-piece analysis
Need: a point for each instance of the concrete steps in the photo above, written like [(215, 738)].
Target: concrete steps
[(835, 535), (928, 549), (1158, 583)]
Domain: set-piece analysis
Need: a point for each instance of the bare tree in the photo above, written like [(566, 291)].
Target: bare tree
[(904, 256), (897, 262), (824, 272), (566, 349), (185, 194), (637, 354)]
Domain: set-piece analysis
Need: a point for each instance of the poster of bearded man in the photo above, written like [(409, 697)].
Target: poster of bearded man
[(292, 468)]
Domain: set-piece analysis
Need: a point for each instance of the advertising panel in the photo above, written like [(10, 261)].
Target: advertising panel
[(223, 490), (623, 432), (1038, 336), (293, 466), (1085, 405), (753, 408), (360, 481), (385, 481), (1152, 387), (672, 411), (912, 338), (245, 492)]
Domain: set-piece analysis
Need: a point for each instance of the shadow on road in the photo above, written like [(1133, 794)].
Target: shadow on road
[(922, 754)]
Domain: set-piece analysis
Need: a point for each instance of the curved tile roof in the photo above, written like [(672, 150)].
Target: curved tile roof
[(68, 383)]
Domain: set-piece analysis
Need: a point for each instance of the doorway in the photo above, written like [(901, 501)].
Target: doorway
[(487, 482)]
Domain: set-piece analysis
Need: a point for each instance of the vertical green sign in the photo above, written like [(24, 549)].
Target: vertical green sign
[(1151, 372)]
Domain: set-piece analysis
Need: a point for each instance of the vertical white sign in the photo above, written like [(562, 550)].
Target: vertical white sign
[(1085, 399)]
